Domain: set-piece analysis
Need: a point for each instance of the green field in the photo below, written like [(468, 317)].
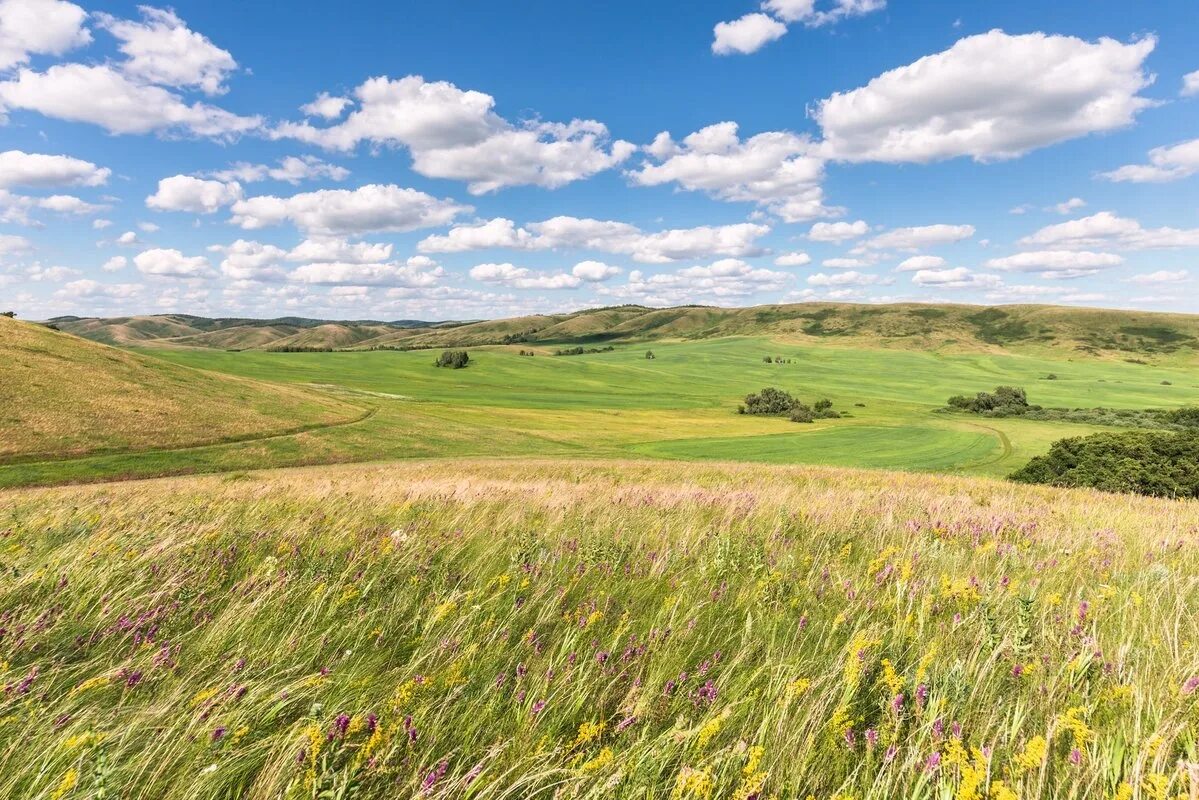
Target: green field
[(681, 405)]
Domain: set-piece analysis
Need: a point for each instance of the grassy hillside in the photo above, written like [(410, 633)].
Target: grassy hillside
[(61, 396), (596, 630), (955, 328)]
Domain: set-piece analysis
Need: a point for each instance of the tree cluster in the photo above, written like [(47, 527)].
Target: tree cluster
[(774, 402), (1154, 463), (454, 359), (1004, 401)]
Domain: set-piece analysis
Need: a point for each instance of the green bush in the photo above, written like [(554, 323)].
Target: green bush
[(454, 359), (770, 402), (1144, 462), (1004, 401), (802, 413)]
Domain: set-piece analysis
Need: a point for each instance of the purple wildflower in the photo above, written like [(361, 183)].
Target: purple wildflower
[(433, 777)]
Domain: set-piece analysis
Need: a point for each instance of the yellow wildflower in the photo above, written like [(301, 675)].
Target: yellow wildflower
[(602, 760), (1033, 755), (65, 785)]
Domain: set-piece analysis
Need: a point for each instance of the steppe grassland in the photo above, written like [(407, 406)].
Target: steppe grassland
[(596, 629)]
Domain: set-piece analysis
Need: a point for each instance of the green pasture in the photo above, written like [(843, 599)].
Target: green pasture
[(680, 405)]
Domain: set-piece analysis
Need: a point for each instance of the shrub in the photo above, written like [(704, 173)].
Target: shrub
[(1144, 462), (767, 359), (9, 314), (770, 401), (802, 413), (454, 359), (1004, 401), (649, 354)]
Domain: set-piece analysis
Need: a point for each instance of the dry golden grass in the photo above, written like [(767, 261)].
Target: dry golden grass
[(65, 396)]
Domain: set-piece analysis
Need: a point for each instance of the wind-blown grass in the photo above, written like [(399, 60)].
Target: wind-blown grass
[(616, 629)]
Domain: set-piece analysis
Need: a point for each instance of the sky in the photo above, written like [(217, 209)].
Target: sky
[(466, 160)]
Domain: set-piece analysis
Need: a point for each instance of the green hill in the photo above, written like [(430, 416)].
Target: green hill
[(909, 326), (61, 395)]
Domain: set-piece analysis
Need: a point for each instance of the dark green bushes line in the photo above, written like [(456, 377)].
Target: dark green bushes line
[(1154, 463), (1011, 401), (578, 351)]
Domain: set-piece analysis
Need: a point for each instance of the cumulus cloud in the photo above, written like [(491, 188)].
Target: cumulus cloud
[(115, 264), (161, 49), (739, 240), (793, 259), (750, 33), (523, 278), (185, 193), (16, 209), (1190, 84), (851, 278), (746, 34), (916, 263), (1106, 229), (39, 27), (1165, 164), (723, 279), (956, 278), (1161, 276), (291, 169), (341, 212), (415, 272), (919, 237), (991, 96), (337, 249), (36, 170), (86, 288), (104, 96), (594, 271), (1057, 263), (171, 263), (454, 133), (11, 245), (838, 231), (326, 106), (251, 261), (128, 239), (845, 263), (777, 170), (1068, 206)]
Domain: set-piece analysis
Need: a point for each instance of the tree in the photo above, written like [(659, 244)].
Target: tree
[(770, 401), (9, 314), (649, 354), (1145, 462), (454, 359)]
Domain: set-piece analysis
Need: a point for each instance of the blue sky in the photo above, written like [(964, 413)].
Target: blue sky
[(465, 160)]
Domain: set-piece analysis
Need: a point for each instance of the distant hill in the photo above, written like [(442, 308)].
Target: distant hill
[(61, 395), (1126, 334)]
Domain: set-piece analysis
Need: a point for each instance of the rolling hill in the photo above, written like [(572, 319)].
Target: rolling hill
[(907, 326), (61, 395)]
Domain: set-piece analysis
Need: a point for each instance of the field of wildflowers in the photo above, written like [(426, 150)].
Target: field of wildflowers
[(600, 629)]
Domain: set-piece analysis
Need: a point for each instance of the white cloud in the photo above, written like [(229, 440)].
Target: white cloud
[(838, 231), (606, 236), (37, 170), (850, 278), (251, 261), (990, 96), (101, 224), (723, 279), (11, 245), (1057, 263), (161, 49), (128, 238), (776, 170), (452, 133), (326, 106), (1165, 164), (171, 263), (522, 278), (86, 288), (1106, 229), (956, 278), (1160, 277), (339, 212), (416, 272), (1190, 84), (805, 11), (920, 262), (919, 237), (335, 249), (1067, 206), (50, 274), (43, 27), (845, 263), (115, 264), (101, 95), (185, 193), (15, 209), (291, 169), (794, 259), (746, 34), (594, 271)]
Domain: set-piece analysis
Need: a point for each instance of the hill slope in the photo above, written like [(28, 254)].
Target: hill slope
[(61, 395), (909, 326)]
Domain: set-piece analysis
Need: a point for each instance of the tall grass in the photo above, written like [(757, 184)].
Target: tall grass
[(512, 630)]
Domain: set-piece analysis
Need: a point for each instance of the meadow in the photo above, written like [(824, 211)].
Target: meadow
[(492, 629), (681, 405)]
